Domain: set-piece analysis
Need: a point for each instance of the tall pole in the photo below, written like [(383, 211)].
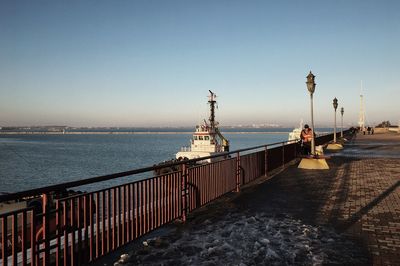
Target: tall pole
[(334, 130), (312, 126), (311, 88), (341, 132), (335, 105)]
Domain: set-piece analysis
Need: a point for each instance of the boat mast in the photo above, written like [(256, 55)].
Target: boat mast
[(212, 103)]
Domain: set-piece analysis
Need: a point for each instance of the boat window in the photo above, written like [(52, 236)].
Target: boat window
[(206, 137), (200, 137), (195, 137)]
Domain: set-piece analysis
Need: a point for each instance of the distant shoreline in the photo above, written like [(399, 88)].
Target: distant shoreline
[(130, 133)]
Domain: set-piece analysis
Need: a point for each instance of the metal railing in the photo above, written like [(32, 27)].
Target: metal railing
[(78, 229)]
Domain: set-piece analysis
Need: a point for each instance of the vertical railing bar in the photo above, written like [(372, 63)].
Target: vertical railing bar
[(91, 242), (205, 184), (211, 171), (14, 237), (125, 199), (266, 160), (58, 231), (141, 224), (45, 225), (119, 213), (145, 202), (103, 222), (124, 215), (109, 238), (163, 200), (86, 227), (155, 202), (97, 205), (132, 202), (114, 201), (150, 204), (136, 203), (23, 237), (184, 194), (190, 192), (147, 196), (72, 231), (162, 207), (177, 195), (140, 211), (238, 172), (65, 224), (283, 155), (127, 213), (167, 197), (173, 196), (78, 225), (158, 198), (170, 193), (4, 240)]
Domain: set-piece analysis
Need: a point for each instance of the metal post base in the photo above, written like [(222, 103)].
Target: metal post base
[(334, 146), (313, 163)]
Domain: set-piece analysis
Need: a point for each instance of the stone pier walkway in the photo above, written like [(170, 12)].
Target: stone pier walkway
[(349, 214)]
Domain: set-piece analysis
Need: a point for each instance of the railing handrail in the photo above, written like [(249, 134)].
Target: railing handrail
[(77, 183)]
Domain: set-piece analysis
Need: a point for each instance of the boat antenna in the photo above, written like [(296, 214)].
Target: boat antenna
[(212, 103)]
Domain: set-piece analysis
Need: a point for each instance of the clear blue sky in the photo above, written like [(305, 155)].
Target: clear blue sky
[(151, 63)]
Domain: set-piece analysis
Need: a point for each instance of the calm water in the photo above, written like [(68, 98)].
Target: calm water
[(31, 161)]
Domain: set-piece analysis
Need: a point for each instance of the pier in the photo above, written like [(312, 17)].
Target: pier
[(349, 214)]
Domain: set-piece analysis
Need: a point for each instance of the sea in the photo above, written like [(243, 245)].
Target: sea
[(29, 161)]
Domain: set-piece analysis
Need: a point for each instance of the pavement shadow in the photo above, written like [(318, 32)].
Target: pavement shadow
[(299, 192), (364, 210)]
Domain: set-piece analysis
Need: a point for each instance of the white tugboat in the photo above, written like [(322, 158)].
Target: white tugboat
[(295, 134), (207, 140)]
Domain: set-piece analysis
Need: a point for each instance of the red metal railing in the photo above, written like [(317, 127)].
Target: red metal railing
[(79, 229)]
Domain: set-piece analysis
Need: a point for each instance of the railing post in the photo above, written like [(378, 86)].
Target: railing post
[(283, 155), (266, 161), (58, 233), (237, 172), (45, 226), (184, 191)]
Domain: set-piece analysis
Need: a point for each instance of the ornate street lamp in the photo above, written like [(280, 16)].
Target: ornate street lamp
[(315, 161), (311, 88), (342, 112), (335, 105)]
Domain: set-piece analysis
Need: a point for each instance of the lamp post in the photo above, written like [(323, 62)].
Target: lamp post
[(314, 161), (311, 88), (335, 105), (342, 112)]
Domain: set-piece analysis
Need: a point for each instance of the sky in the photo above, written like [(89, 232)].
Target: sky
[(151, 63)]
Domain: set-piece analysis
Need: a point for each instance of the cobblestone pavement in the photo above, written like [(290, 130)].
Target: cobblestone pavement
[(356, 200), (359, 195)]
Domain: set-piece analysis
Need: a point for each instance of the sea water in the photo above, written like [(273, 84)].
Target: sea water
[(31, 161)]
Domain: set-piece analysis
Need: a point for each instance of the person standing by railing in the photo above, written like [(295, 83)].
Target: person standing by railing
[(306, 137)]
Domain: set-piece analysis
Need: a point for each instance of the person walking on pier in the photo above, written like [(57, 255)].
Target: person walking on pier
[(306, 137)]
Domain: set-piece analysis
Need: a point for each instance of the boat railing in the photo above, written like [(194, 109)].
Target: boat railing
[(81, 228)]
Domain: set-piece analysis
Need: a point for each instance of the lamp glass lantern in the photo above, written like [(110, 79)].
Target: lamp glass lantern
[(311, 83), (335, 103)]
